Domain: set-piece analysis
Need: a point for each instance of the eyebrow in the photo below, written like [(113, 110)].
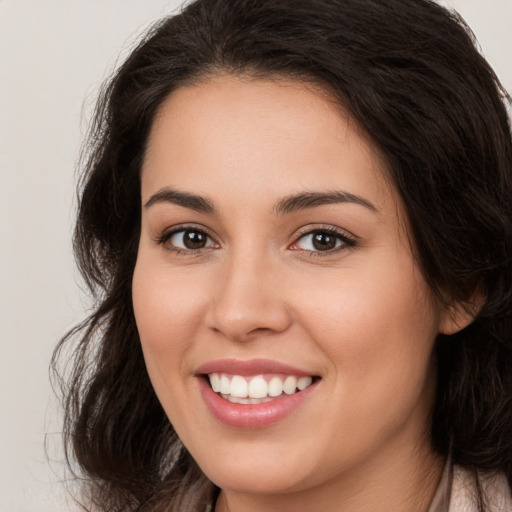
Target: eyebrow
[(305, 200), (191, 201), (289, 204)]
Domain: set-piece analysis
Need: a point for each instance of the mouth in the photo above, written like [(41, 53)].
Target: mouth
[(257, 389), (254, 394)]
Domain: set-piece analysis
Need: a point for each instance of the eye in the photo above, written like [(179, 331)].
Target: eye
[(186, 239), (322, 240), (190, 239)]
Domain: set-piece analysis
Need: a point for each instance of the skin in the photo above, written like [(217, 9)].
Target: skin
[(360, 316)]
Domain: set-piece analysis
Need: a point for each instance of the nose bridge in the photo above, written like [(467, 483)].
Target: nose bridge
[(247, 297)]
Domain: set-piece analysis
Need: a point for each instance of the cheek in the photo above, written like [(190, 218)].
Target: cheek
[(167, 308), (167, 312), (378, 328), (378, 335)]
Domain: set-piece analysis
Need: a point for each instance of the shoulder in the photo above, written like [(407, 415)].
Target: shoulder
[(464, 495)]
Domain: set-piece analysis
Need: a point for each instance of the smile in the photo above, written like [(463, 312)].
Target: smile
[(253, 394), (256, 389)]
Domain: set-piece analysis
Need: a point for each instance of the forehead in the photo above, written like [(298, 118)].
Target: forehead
[(247, 138)]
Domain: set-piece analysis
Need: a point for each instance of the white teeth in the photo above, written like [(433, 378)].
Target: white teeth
[(256, 389), (236, 400), (275, 386), (215, 382), (304, 382), (290, 384), (225, 384), (239, 387)]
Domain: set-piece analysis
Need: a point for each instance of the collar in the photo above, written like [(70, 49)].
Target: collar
[(457, 490)]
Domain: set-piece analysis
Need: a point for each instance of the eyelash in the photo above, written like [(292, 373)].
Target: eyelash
[(347, 242)]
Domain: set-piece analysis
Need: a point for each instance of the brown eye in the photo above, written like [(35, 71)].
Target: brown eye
[(322, 241), (190, 239), (194, 239)]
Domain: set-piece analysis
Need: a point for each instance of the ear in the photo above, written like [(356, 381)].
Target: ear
[(459, 315)]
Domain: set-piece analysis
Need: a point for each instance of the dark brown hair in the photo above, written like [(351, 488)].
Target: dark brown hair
[(409, 73)]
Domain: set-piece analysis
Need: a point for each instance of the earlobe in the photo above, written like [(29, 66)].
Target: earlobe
[(459, 315)]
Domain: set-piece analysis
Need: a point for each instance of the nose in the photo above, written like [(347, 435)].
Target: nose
[(248, 300)]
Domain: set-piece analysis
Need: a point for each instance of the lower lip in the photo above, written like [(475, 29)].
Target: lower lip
[(252, 415)]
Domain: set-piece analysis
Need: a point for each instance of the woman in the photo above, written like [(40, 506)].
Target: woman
[(296, 219)]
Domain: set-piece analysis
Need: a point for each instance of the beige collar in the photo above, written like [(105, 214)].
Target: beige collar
[(457, 491)]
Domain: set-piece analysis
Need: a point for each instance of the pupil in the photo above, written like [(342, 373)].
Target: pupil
[(324, 242), (194, 240)]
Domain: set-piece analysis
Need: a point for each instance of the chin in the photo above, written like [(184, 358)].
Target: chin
[(266, 474), (256, 481)]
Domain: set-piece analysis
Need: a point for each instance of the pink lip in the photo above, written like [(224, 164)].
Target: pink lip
[(250, 416), (252, 367)]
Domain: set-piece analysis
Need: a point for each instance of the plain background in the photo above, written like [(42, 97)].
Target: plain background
[(54, 54)]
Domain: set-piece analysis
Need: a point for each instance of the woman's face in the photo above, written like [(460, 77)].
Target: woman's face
[(272, 248)]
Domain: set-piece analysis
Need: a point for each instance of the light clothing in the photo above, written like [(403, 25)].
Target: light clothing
[(457, 491)]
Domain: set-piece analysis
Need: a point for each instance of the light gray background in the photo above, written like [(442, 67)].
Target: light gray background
[(54, 54)]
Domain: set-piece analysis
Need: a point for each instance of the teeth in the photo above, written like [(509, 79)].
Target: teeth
[(290, 384), (215, 382), (256, 389), (275, 386), (239, 387), (225, 385), (304, 382), (236, 400)]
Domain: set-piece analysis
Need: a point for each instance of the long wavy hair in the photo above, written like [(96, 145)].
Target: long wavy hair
[(410, 75)]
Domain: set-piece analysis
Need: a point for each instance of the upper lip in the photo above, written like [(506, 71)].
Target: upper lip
[(250, 367)]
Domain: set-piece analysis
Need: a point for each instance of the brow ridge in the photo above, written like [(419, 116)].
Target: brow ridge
[(287, 205), (185, 199), (305, 200)]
